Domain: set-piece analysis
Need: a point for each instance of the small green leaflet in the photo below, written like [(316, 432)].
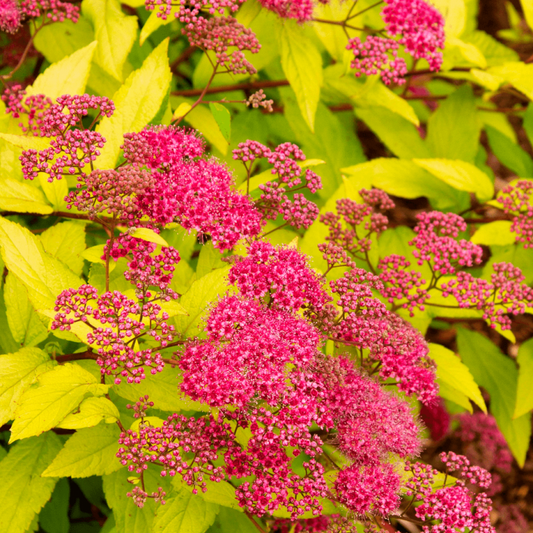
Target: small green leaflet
[(524, 394), (89, 452), (223, 119), (455, 374), (90, 413), (23, 491), (494, 233), (149, 235), (59, 392), (17, 372), (22, 198), (222, 493), (54, 516), (184, 513)]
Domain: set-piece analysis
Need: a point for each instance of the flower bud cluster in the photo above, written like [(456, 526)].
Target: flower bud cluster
[(516, 201), (31, 109), (274, 199), (259, 99), (301, 10), (113, 331)]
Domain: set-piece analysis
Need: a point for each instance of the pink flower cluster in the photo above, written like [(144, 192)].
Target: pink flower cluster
[(436, 243), (419, 26), (505, 294), (31, 109), (378, 55), (113, 331), (274, 200), (12, 13), (301, 10), (516, 201), (71, 150)]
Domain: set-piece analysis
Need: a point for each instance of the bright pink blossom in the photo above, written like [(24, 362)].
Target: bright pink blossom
[(10, 16)]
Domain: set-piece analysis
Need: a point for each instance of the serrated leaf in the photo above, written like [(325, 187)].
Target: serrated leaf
[(25, 142), (149, 235), (23, 491), (54, 516), (455, 396), (94, 254), (524, 393), (454, 373), (222, 493), (154, 22), (66, 241), (54, 191), (24, 323), (460, 175), (17, 372), (172, 308), (231, 521), (90, 413), (494, 233), (43, 275), (223, 119), (302, 65), (498, 374), (22, 198), (510, 153), (137, 102), (196, 300), (68, 76), (57, 394), (89, 452), (115, 33), (184, 513), (518, 74)]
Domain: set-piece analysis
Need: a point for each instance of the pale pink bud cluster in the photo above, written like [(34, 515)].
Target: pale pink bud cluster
[(114, 330), (436, 243), (259, 99), (419, 26), (32, 109), (53, 10), (378, 55), (274, 200), (516, 201), (139, 496), (301, 10)]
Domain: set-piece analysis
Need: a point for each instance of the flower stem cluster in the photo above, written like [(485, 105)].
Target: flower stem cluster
[(516, 201)]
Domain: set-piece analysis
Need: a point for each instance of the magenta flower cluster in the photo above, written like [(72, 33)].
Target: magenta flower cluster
[(516, 201), (30, 109)]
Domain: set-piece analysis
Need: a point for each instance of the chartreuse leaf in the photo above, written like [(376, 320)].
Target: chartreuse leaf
[(163, 391), (518, 74), (198, 297), (149, 235), (453, 395), (510, 153), (524, 394), (66, 242), (90, 413), (455, 374), (231, 521), (54, 191), (89, 452), (68, 76), (222, 493), (494, 233), (57, 394), (54, 516), (22, 198), (17, 372), (137, 102), (302, 64), (223, 119), (184, 513), (460, 175), (24, 323), (23, 491), (498, 374), (115, 33), (154, 22), (128, 517), (25, 142), (43, 275), (527, 7), (332, 35)]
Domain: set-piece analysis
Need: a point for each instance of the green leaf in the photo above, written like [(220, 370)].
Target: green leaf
[(495, 52), (184, 513), (43, 275), (209, 259), (498, 374), (404, 178), (54, 516), (398, 134), (66, 241), (22, 198), (453, 395), (453, 130), (137, 102), (58, 393), (89, 452), (527, 7), (90, 413), (455, 374), (163, 391), (302, 65), (54, 191), (524, 394), (223, 119), (509, 153), (23, 491), (24, 323), (460, 175), (7, 342), (154, 22), (518, 74), (94, 254), (149, 235), (115, 33), (231, 521), (68, 76), (25, 142), (494, 233), (222, 493), (196, 300), (17, 372)]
